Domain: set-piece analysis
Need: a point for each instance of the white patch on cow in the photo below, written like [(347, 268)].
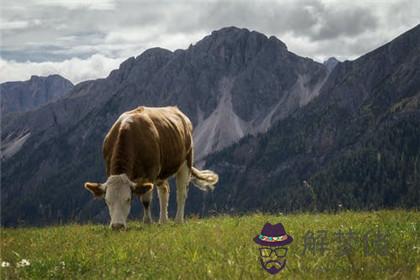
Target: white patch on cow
[(147, 215), (12, 146), (182, 179), (125, 118), (118, 198), (163, 193)]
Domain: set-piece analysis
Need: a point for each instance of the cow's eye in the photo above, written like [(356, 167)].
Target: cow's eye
[(128, 200)]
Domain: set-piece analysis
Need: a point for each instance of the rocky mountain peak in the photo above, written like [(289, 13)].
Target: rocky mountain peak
[(237, 42), (154, 52), (34, 78), (27, 95), (331, 63), (232, 33)]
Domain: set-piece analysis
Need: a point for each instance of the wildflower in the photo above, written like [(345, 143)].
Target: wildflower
[(63, 264), (5, 264), (23, 263)]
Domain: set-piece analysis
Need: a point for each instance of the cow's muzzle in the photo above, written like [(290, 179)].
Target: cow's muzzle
[(117, 226)]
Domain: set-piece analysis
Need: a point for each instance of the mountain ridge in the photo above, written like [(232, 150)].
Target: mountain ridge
[(21, 96)]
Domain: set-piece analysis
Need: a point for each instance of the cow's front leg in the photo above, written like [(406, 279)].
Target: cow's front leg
[(146, 200), (163, 193), (182, 180)]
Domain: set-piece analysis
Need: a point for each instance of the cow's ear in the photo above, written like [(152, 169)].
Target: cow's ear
[(98, 190), (141, 188)]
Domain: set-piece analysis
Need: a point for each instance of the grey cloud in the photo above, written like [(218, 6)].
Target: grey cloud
[(39, 55), (349, 21), (310, 18), (265, 16), (313, 28), (143, 14)]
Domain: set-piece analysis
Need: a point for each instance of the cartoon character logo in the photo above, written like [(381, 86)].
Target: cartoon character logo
[(272, 241)]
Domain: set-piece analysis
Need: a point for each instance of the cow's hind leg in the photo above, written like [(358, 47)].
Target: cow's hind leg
[(146, 200), (182, 180), (163, 193)]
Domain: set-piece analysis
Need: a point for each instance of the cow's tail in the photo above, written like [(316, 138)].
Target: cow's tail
[(204, 179)]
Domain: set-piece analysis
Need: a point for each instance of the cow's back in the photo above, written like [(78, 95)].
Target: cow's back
[(175, 137), (148, 143)]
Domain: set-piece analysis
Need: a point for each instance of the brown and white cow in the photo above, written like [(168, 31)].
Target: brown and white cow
[(144, 148)]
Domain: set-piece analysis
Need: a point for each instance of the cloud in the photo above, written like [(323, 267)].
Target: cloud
[(13, 25), (341, 21), (75, 69), (79, 4), (59, 30)]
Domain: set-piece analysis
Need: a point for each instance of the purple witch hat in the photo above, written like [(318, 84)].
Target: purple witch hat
[(273, 235)]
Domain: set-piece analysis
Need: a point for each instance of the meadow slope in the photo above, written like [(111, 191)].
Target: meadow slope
[(385, 245)]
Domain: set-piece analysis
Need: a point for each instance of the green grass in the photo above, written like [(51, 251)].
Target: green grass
[(214, 248)]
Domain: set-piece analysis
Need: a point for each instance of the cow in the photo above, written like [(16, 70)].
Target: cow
[(144, 148)]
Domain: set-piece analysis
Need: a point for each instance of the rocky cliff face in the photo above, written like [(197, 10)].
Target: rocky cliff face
[(257, 82), (31, 94)]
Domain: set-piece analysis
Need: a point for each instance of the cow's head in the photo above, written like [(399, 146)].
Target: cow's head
[(118, 191)]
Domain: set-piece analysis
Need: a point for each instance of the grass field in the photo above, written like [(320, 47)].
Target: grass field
[(385, 245)]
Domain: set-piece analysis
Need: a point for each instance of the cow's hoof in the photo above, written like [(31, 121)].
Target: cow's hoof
[(148, 221), (163, 221), (179, 221)]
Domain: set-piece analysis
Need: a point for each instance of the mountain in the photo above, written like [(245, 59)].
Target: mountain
[(32, 94), (232, 83), (331, 63), (356, 146)]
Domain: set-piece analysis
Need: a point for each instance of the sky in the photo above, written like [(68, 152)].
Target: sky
[(86, 39)]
